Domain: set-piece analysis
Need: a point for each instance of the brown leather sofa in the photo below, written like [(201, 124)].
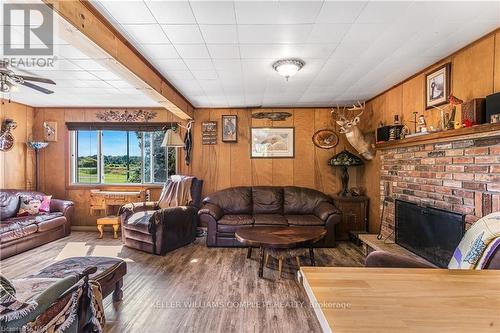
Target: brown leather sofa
[(175, 226), (19, 234), (226, 211)]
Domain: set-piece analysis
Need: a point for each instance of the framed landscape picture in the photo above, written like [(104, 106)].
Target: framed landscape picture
[(277, 142), (437, 86), (229, 128)]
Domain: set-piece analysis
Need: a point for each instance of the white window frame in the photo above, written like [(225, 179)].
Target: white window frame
[(100, 162)]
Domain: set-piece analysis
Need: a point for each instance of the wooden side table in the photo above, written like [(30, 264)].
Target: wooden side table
[(108, 220), (354, 215)]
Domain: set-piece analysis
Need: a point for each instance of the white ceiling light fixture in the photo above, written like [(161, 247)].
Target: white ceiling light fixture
[(288, 67)]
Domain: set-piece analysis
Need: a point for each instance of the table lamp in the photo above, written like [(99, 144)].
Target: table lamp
[(345, 159)]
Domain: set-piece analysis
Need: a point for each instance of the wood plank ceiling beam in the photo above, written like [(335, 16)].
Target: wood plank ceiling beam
[(94, 26)]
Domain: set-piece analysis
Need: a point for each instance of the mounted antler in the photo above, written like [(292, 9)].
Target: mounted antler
[(350, 129)]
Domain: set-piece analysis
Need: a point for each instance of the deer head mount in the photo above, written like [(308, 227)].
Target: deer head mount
[(348, 126)]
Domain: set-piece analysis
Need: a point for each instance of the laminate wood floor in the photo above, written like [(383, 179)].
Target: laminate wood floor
[(195, 288)]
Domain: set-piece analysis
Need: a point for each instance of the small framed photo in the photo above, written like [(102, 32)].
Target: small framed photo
[(437, 86), (276, 142), (229, 128)]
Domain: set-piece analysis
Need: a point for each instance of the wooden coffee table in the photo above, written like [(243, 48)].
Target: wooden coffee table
[(279, 238)]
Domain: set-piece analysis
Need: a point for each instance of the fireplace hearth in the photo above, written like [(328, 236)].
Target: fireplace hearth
[(428, 232)]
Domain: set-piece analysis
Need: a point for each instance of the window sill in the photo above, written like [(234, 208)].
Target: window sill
[(128, 186)]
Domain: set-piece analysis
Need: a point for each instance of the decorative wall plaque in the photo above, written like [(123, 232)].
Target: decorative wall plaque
[(209, 132), (6, 137), (126, 116), (274, 116)]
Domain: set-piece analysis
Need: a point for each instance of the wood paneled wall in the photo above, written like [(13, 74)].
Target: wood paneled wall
[(475, 73), (229, 164), (54, 168), (17, 166)]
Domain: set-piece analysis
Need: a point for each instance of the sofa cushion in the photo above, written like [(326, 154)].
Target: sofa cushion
[(304, 220), (15, 223), (139, 221), (269, 219), (9, 205), (267, 200), (228, 229), (17, 233), (52, 223), (300, 200), (242, 219), (235, 200)]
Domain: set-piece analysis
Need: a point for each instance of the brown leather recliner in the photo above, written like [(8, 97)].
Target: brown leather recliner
[(148, 228), (226, 211), (19, 234)]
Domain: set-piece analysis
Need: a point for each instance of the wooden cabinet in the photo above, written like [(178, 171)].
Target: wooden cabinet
[(354, 215)]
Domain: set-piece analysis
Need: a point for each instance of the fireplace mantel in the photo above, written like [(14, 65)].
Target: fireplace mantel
[(474, 131)]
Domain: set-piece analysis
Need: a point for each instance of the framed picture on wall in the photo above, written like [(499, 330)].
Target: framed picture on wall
[(437, 86), (229, 128), (276, 142)]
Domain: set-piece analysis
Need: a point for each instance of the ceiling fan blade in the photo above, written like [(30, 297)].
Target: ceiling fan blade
[(34, 86), (36, 79)]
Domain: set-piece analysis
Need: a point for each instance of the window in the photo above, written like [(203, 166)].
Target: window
[(121, 157)]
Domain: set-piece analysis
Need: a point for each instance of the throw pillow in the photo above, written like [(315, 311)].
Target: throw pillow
[(45, 205), (29, 206)]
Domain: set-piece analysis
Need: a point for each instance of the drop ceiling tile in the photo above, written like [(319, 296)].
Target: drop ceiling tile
[(106, 75), (340, 11), (192, 51), (171, 65), (224, 51), (382, 11), (183, 34), (364, 33), (199, 64), (230, 65), (146, 33), (256, 12), (298, 12), (328, 33), (159, 51), (274, 34), (171, 12), (317, 51), (134, 12), (70, 52), (205, 75), (213, 12), (219, 34), (85, 64), (121, 84), (180, 75)]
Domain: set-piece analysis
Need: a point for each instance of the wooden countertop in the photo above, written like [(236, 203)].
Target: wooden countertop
[(475, 131), (403, 300)]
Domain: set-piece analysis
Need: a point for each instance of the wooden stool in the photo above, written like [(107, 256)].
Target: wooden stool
[(283, 254), (108, 220)]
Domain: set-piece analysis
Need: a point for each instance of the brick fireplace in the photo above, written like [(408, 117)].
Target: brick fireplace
[(459, 175)]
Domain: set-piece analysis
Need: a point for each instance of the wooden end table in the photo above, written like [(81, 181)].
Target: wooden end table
[(108, 220), (279, 238)]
